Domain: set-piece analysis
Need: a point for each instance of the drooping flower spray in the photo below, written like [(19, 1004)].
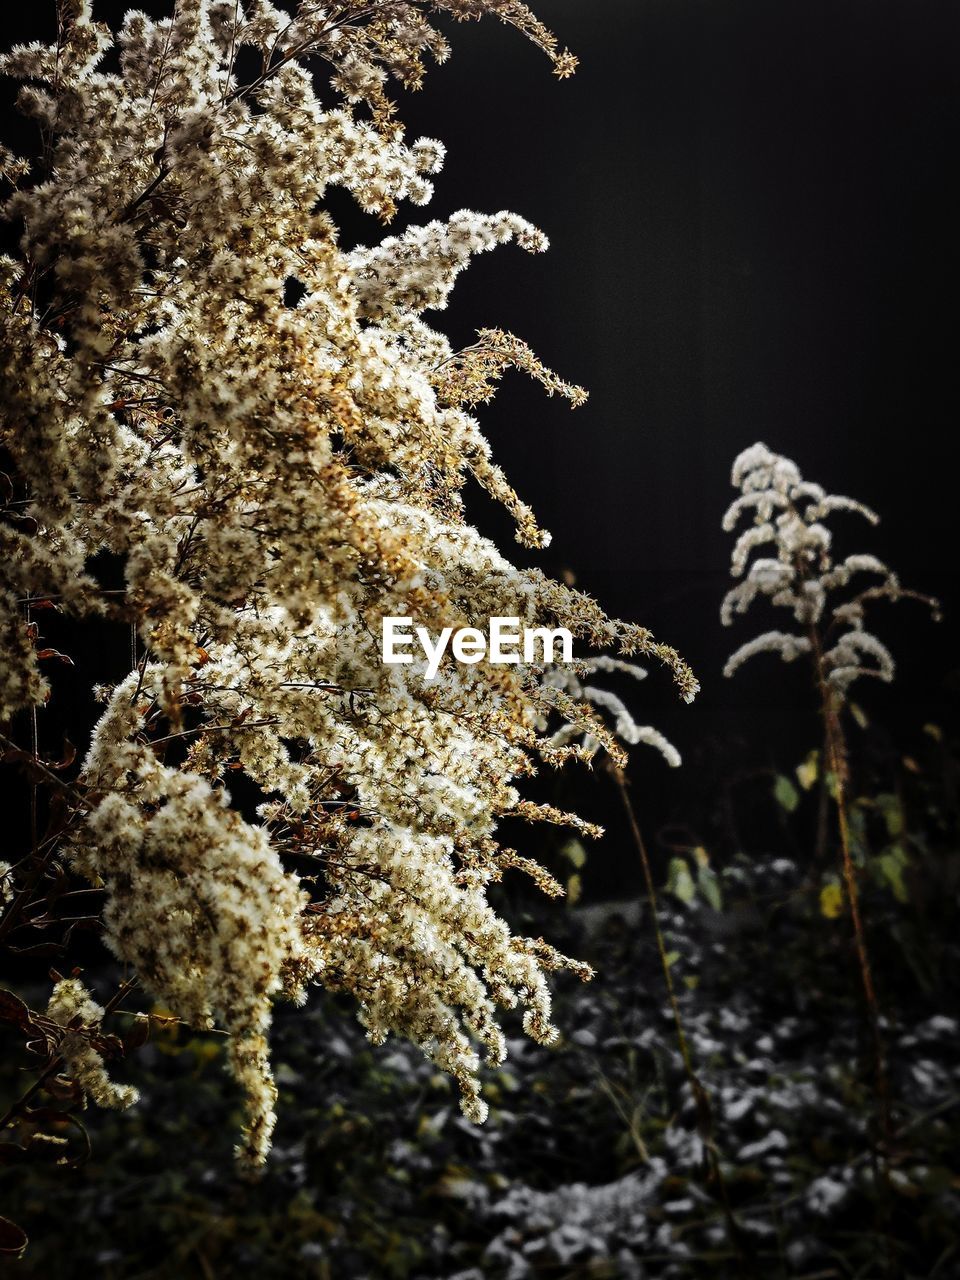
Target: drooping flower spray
[(258, 433)]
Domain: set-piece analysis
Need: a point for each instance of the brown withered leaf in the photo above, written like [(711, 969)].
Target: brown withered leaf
[(67, 755), (108, 1046), (35, 1026), (48, 1148), (14, 1010), (13, 1239), (56, 654), (54, 1147), (43, 1115), (58, 814), (139, 1033), (64, 1088), (42, 1035), (26, 524)]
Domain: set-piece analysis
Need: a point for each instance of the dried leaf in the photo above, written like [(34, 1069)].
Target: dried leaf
[(13, 1239), (13, 1010), (55, 653), (67, 755), (138, 1034)]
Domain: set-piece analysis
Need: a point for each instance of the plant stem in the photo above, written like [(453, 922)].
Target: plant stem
[(836, 763), (701, 1097)]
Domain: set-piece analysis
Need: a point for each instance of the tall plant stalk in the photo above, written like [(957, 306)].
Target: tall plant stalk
[(704, 1106), (798, 572), (837, 768)]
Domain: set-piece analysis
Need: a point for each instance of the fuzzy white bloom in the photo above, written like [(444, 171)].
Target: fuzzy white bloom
[(844, 661), (788, 512), (625, 728), (416, 271), (787, 646), (262, 430), (72, 1007)]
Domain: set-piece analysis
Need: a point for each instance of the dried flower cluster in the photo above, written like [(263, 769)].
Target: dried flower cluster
[(624, 725), (72, 1007), (788, 515), (203, 390)]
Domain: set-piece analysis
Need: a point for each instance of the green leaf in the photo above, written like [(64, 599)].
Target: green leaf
[(680, 881), (574, 889), (831, 900), (889, 806), (892, 865), (574, 852), (786, 793), (709, 886), (808, 772), (859, 715)]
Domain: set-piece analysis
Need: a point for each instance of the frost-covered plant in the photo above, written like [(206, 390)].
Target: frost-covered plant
[(256, 429)]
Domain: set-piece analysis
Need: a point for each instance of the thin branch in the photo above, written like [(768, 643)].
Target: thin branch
[(214, 728)]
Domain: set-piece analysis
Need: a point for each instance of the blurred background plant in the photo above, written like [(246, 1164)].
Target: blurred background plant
[(805, 576)]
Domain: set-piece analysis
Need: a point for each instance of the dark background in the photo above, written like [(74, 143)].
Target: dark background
[(753, 211), (753, 216)]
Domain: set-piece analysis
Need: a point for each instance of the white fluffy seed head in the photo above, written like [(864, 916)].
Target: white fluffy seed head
[(789, 515)]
